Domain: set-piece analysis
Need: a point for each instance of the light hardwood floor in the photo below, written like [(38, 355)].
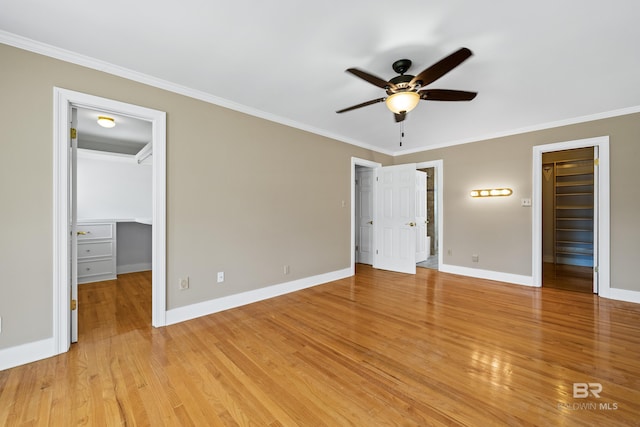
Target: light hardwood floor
[(567, 277), (379, 348)]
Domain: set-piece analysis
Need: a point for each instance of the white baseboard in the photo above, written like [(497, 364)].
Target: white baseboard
[(488, 274), (205, 308), (134, 268), (621, 295), (26, 353)]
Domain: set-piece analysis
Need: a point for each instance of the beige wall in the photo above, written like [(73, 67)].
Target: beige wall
[(245, 196), (499, 230)]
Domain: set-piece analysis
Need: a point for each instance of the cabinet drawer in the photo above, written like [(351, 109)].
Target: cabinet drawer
[(94, 231), (93, 250), (96, 268)]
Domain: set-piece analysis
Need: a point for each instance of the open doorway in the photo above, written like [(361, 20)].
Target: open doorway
[(582, 228), (64, 260), (363, 200), (568, 215), (431, 230), (114, 194)]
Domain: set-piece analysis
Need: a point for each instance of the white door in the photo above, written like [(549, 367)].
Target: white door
[(422, 251), (73, 237), (364, 217), (395, 219)]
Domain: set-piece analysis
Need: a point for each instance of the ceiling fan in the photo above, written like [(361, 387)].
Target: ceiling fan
[(405, 91)]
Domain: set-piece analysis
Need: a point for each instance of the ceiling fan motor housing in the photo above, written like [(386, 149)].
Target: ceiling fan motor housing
[(401, 65), (401, 84)]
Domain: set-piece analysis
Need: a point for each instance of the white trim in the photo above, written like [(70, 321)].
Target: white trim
[(516, 279), (63, 100), (27, 353), (604, 236), (205, 308), (439, 166), (144, 153), (96, 64), (533, 128), (355, 161), (622, 295)]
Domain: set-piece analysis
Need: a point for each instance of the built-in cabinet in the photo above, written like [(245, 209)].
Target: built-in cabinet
[(573, 212), (96, 251)]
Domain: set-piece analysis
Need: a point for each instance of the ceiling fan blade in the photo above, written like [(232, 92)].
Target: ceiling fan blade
[(446, 95), (377, 81), (400, 117), (364, 104), (442, 67)]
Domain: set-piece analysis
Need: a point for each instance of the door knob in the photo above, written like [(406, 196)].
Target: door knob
[(412, 224), (370, 222)]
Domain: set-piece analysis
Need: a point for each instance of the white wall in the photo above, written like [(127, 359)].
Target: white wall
[(113, 187)]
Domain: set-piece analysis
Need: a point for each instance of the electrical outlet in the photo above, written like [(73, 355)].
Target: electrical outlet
[(526, 203), (449, 252), (220, 276), (183, 283), (287, 270), (475, 258)]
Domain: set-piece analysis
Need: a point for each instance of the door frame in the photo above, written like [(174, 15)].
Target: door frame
[(355, 161), (439, 183), (63, 100), (603, 208), (438, 166)]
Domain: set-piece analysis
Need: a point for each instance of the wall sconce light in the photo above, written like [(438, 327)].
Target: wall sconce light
[(491, 192)]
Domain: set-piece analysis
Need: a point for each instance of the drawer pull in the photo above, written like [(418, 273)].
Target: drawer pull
[(82, 233), (88, 250), (88, 268)]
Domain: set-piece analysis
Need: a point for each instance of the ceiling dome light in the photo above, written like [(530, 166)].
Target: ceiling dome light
[(402, 102), (106, 122)]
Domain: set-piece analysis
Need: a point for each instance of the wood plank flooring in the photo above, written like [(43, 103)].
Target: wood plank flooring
[(567, 277), (379, 348)]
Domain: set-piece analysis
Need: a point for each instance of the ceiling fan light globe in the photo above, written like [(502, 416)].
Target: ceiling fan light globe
[(402, 102)]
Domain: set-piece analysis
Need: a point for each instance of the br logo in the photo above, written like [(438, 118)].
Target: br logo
[(582, 390)]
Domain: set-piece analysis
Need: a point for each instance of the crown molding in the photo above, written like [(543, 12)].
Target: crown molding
[(106, 67), (519, 131), (99, 65)]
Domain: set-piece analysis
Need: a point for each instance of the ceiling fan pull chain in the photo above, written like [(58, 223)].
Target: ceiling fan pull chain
[(401, 132)]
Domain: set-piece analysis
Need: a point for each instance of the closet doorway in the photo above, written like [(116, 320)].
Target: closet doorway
[(568, 219), (64, 284), (571, 230)]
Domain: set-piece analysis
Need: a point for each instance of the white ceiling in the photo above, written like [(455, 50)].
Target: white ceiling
[(535, 64), (128, 136)]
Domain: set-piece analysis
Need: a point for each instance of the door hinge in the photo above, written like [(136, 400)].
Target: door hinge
[(74, 133), (595, 269), (376, 252), (596, 162), (74, 304), (357, 248)]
